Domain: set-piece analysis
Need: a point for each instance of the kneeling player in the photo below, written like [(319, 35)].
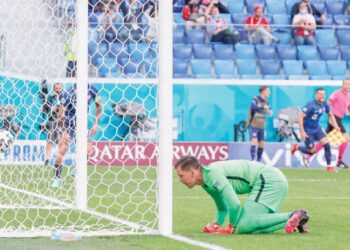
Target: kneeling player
[(311, 130), (69, 111), (266, 187)]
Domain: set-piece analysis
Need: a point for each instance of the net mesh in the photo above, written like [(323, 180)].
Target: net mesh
[(38, 41)]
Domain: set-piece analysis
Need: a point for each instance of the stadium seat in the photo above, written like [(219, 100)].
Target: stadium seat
[(298, 77), (321, 77), (269, 18), (202, 51), (341, 20), (328, 53), (226, 17), (282, 20), (325, 37), (151, 68), (286, 52), (182, 51), (274, 77), (293, 67), (316, 67), (307, 52), (276, 7), (92, 48), (106, 66), (195, 36), (245, 51), (103, 49), (290, 4), (223, 51), (265, 51), (250, 5), (344, 53), (235, 7), (335, 8), (178, 19), (201, 68), (336, 68), (139, 51), (178, 35), (320, 6), (130, 68), (270, 67), (251, 77), (180, 67), (239, 20), (224, 68), (285, 37), (343, 37), (246, 66)]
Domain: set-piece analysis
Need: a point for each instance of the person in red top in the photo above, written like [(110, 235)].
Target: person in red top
[(305, 25), (258, 28)]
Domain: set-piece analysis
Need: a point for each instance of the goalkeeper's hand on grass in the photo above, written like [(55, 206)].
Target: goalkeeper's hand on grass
[(214, 228)]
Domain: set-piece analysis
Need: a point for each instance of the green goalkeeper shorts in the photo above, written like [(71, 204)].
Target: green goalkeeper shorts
[(270, 189)]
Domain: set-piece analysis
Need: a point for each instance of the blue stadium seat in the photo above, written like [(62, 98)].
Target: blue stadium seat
[(139, 51), (151, 68), (307, 52), (92, 48), (276, 7), (335, 8), (316, 67), (328, 53), (298, 77), (321, 77), (290, 4), (223, 51), (240, 20), (269, 18), (320, 6), (178, 19), (178, 35), (246, 66), (336, 68), (344, 53), (201, 68), (195, 36), (265, 51), (235, 6), (343, 37), (341, 20), (251, 77), (285, 37), (226, 17), (224, 68), (130, 67), (180, 67), (282, 19), (245, 51), (325, 37), (119, 51), (103, 49), (293, 67), (182, 51), (327, 21), (338, 78), (202, 51), (106, 66), (274, 77), (250, 5), (286, 52), (270, 67)]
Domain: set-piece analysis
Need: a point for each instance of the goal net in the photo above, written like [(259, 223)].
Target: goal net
[(39, 52)]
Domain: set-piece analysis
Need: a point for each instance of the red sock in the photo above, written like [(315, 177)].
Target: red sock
[(342, 148)]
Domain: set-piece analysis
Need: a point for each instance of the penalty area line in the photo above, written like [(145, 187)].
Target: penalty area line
[(195, 242)]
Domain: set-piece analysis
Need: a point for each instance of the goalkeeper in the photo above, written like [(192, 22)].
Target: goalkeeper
[(69, 110), (266, 187)]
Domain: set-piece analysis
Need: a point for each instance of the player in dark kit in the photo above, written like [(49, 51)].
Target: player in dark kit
[(311, 130), (69, 124)]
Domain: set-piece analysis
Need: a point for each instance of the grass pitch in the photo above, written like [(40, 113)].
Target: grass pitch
[(326, 196)]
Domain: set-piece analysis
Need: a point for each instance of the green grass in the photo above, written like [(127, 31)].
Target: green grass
[(326, 196)]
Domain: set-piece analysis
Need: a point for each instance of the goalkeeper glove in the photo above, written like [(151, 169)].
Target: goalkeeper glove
[(211, 228)]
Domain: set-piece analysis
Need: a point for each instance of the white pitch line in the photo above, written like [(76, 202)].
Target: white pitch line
[(196, 242), (293, 198)]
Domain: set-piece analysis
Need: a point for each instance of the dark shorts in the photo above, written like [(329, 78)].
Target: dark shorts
[(257, 133), (69, 127), (53, 131), (314, 135), (340, 124)]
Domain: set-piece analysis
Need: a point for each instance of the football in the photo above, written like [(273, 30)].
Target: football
[(6, 141)]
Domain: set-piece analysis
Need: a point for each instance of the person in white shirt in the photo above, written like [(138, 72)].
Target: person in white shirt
[(305, 25)]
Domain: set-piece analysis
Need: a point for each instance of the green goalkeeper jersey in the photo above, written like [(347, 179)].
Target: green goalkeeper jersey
[(223, 180)]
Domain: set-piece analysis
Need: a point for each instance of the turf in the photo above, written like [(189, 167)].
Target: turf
[(326, 196)]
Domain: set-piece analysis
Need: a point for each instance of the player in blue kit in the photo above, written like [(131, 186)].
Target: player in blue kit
[(311, 130), (68, 110)]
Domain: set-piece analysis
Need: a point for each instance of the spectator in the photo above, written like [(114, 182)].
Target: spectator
[(109, 17), (305, 26), (311, 9), (258, 28), (151, 15), (133, 13), (218, 27), (70, 49), (193, 13)]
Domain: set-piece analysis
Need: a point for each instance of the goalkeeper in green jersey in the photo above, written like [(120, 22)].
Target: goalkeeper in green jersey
[(266, 187)]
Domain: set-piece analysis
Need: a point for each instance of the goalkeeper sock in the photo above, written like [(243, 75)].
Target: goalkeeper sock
[(342, 149), (260, 152), (303, 149), (327, 153), (252, 152), (58, 170)]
